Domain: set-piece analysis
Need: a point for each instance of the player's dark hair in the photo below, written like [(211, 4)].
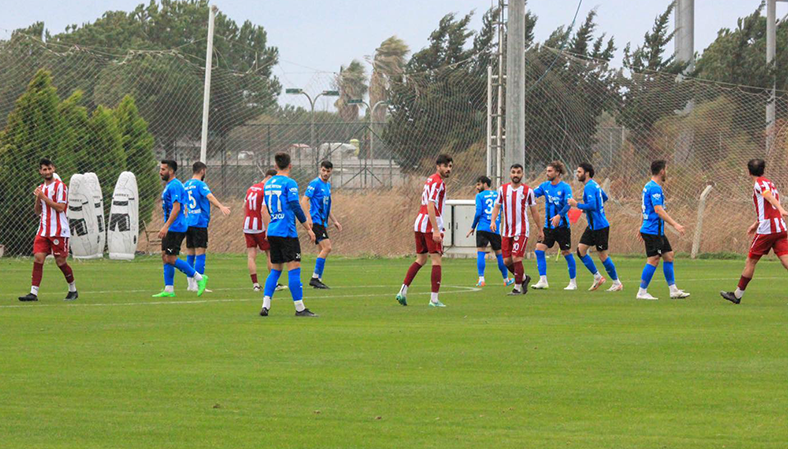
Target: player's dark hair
[(558, 166), (516, 166), (484, 180), (270, 172), (282, 160), (756, 167), (44, 162), (198, 167), (327, 164), (170, 163), (588, 168), (657, 166), (444, 159)]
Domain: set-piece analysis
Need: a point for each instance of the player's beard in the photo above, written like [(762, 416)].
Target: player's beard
[(165, 178), (516, 179)]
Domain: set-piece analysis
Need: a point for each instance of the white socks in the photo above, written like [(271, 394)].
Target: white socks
[(267, 302), (434, 298), (573, 282), (673, 288), (642, 291), (738, 293), (616, 282), (315, 276), (72, 287), (197, 276), (34, 290), (299, 305), (597, 276), (169, 288), (543, 279), (481, 278), (518, 287), (403, 290)]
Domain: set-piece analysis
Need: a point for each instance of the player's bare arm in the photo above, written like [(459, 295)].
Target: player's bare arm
[(336, 222), (436, 232), (215, 202), (753, 227), (266, 217), (555, 221), (494, 218), (176, 209), (60, 207), (37, 206), (306, 205), (538, 222), (572, 202), (664, 216), (767, 195)]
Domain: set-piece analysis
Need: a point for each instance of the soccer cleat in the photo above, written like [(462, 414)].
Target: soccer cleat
[(679, 294), (597, 283), (515, 292), (201, 285), (257, 288), (726, 295), (306, 312), (264, 312), (71, 296), (571, 286), (436, 304), (318, 284), (280, 287), (616, 287), (163, 294), (646, 296), (541, 285), (401, 299), (480, 284), (28, 297), (526, 281), (508, 282)]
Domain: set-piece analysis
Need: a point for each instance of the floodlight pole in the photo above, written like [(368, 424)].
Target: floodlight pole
[(515, 84), (206, 96), (771, 52)]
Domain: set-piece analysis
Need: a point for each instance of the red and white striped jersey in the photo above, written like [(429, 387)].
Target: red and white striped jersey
[(514, 209), (54, 223), (253, 207), (435, 192), (771, 222)]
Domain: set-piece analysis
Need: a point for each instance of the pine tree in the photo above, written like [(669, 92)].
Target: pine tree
[(103, 153), (138, 144)]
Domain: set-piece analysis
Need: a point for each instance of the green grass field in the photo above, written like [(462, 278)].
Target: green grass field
[(553, 369)]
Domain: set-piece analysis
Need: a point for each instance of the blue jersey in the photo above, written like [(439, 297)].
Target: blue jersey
[(485, 201), (281, 200), (652, 196), (199, 206), (175, 193), (556, 202), (594, 206), (319, 194)]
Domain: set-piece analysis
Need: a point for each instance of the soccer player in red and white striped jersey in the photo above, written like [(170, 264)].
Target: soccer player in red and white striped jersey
[(254, 228), (428, 230), (769, 231), (53, 231), (514, 199)]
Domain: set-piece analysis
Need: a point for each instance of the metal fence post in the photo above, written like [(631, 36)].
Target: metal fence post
[(699, 225)]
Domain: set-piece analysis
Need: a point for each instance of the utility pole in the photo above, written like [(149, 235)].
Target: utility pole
[(206, 96), (515, 83)]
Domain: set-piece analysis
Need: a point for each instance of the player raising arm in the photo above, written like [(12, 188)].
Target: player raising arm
[(652, 233), (768, 231), (281, 201), (428, 231), (514, 200), (597, 234), (485, 200)]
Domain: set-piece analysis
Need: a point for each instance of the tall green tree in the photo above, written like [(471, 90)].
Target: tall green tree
[(138, 144), (352, 84), (388, 64), (31, 133), (103, 153)]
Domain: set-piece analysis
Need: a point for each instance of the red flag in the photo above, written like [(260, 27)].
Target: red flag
[(574, 215)]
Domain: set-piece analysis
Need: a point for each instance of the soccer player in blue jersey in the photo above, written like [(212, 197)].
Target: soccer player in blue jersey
[(281, 202), (199, 200), (652, 232), (556, 225), (317, 203), (173, 202), (598, 231), (485, 201)]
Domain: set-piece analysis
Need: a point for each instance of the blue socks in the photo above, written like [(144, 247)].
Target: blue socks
[(184, 267), (270, 283), (589, 263), (480, 262), (502, 266), (572, 265), (648, 273), (610, 268), (200, 264), (294, 283), (670, 276), (190, 259), (169, 274), (320, 265), (541, 263)]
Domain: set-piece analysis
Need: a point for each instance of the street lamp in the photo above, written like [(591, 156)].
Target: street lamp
[(371, 115), (312, 102)]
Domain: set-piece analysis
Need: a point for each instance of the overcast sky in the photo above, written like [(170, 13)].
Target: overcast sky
[(324, 34)]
